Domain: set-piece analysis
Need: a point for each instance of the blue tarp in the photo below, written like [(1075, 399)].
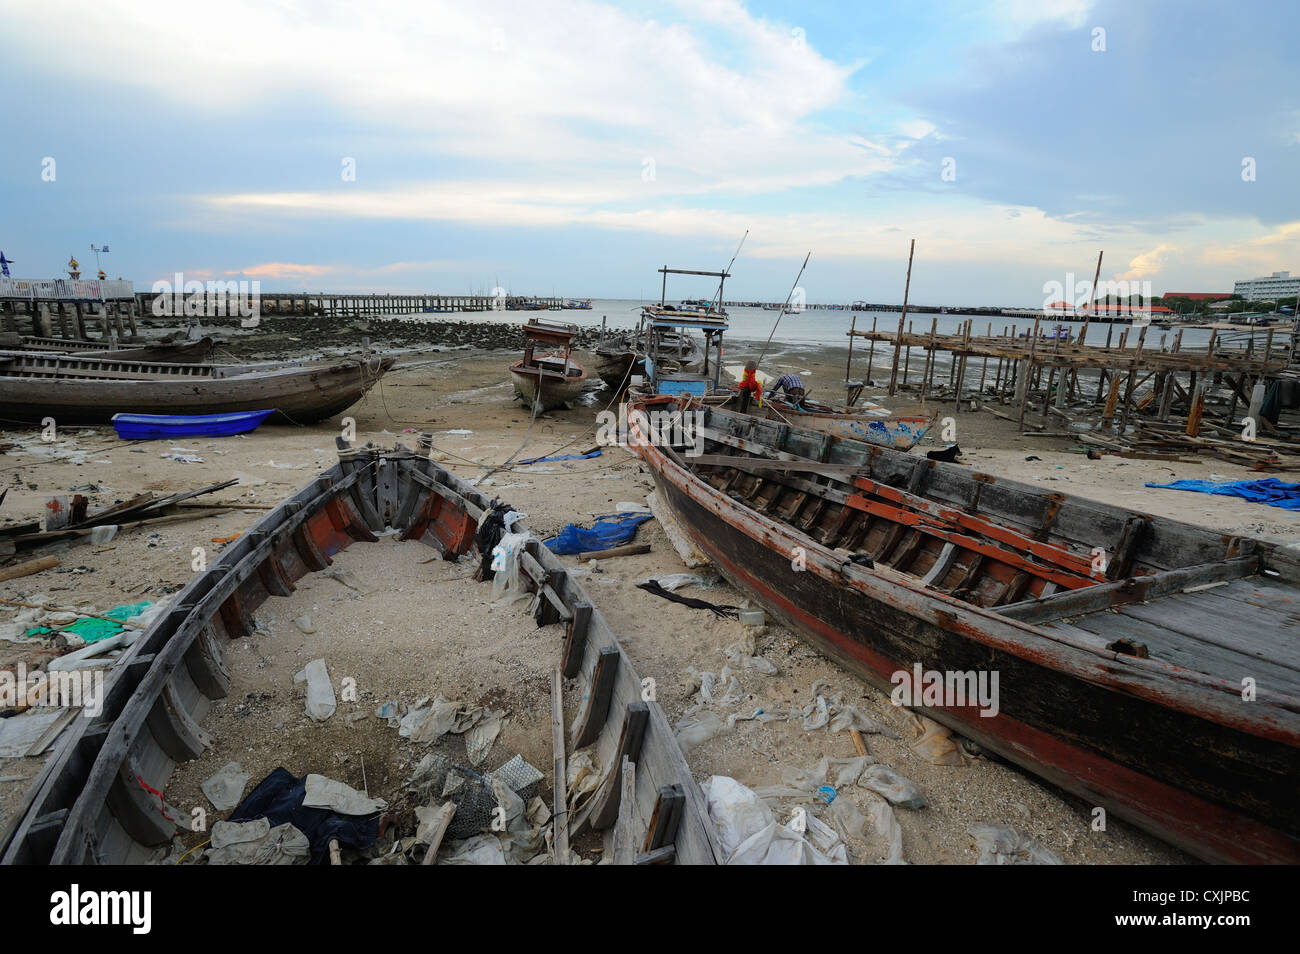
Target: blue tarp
[(543, 460), (608, 531), (1269, 490)]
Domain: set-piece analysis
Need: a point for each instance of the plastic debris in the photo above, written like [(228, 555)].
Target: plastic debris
[(748, 834), (323, 792), (883, 820), (1001, 845), (935, 742), (226, 788), (320, 694), (257, 843), (480, 739), (885, 781), (304, 623)]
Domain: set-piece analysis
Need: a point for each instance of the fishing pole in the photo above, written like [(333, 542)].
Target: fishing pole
[(784, 306)]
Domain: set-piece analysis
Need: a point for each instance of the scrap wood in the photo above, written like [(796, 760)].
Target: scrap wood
[(28, 568), (630, 549), (435, 842), (36, 539)]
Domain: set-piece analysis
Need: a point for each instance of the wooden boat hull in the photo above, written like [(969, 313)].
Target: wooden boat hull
[(299, 395), (1177, 755), (179, 352), (96, 799), (616, 363), (551, 391)]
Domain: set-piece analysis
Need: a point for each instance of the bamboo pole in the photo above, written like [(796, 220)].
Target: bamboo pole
[(907, 289)]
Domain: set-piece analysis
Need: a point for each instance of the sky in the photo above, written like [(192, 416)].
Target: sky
[(573, 147)]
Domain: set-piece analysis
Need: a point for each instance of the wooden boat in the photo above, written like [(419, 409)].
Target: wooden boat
[(863, 424), (1125, 644), (96, 800), (553, 379), (74, 389), (619, 358), (181, 351)]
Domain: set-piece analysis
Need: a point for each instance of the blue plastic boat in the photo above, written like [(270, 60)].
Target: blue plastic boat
[(154, 427)]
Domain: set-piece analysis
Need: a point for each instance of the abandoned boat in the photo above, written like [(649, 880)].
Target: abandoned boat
[(101, 796), (553, 379), (1147, 665), (619, 358), (74, 389), (179, 351)]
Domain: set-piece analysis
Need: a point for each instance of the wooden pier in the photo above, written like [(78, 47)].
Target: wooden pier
[(1142, 390)]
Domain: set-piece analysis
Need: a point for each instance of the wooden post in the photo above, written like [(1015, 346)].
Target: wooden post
[(848, 365), (907, 289)]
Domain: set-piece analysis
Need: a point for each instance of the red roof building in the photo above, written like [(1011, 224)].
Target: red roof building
[(1199, 296)]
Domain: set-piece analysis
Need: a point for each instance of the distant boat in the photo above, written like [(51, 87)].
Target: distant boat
[(551, 380), (573, 304), (620, 357)]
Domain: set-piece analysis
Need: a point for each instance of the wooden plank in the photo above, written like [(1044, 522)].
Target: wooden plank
[(599, 694), (1133, 590), (625, 828), (559, 800), (576, 640)]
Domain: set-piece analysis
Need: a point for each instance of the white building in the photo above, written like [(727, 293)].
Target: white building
[(1267, 287)]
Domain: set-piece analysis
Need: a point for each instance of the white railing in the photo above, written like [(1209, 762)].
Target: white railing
[(66, 289)]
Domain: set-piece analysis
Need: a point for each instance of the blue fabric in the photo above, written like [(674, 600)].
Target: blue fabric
[(542, 460), (1269, 490), (608, 531)]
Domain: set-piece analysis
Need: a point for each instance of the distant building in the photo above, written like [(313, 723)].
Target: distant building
[(1267, 287)]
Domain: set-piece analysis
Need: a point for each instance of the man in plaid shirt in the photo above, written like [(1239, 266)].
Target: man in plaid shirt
[(792, 384)]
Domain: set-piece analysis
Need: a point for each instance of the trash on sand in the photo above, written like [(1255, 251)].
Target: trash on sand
[(304, 623), (882, 818), (18, 733), (479, 739), (507, 585), (320, 694), (885, 781), (1269, 490), (752, 617), (545, 460), (748, 834), (934, 742), (696, 730), (741, 655), (1001, 845), (280, 798), (479, 850), (672, 582), (391, 713), (726, 611), (226, 788), (322, 792), (608, 531), (257, 843)]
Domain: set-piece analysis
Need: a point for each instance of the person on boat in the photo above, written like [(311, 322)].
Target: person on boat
[(750, 387), (792, 384)]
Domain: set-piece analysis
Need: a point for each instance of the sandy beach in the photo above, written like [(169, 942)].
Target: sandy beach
[(424, 628)]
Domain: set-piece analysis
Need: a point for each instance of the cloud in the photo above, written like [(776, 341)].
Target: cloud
[(1146, 264), (283, 270)]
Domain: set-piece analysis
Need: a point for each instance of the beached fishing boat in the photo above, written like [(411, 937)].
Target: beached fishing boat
[(75, 389), (101, 797), (181, 351), (553, 379), (1147, 665), (618, 358)]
